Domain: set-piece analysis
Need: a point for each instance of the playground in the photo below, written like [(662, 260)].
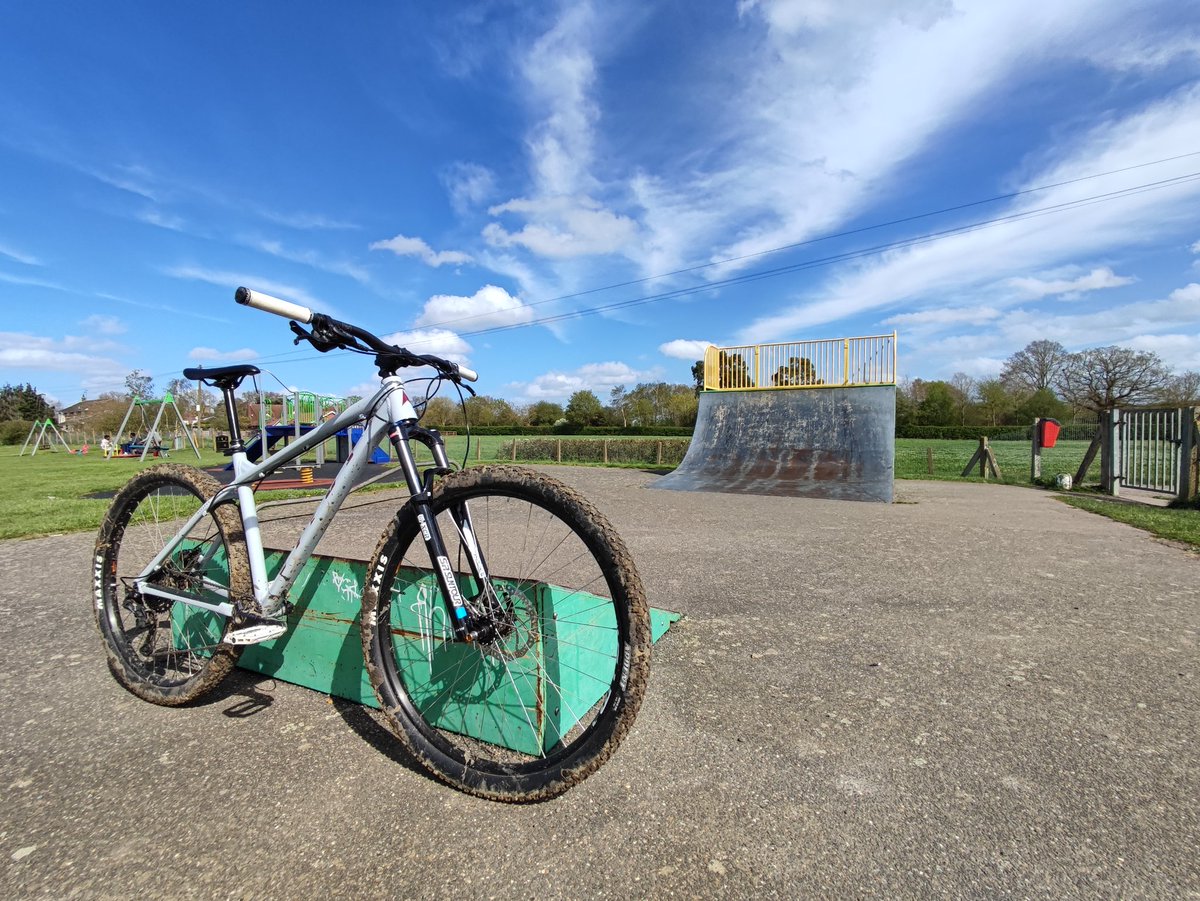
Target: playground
[(971, 691)]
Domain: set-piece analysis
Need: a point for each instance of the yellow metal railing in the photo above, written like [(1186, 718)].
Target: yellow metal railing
[(829, 363)]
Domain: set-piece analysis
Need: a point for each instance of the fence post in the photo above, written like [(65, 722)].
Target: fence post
[(514, 450), (1110, 453), (606, 450), (558, 451), (929, 460), (1188, 426), (479, 449), (1035, 469), (658, 459)]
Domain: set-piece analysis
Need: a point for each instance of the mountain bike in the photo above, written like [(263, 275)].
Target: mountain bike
[(504, 627)]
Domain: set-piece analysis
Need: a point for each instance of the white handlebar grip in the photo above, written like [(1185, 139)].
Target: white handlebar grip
[(469, 374), (269, 304)]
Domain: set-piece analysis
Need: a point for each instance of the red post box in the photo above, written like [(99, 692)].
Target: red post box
[(1047, 432)]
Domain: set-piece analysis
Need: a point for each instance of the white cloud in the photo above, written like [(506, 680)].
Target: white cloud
[(469, 186), (1196, 247), (233, 280), (34, 283), (403, 246), (23, 351), (212, 355), (104, 325), (159, 219), (562, 227), (944, 316), (684, 349), (1095, 280), (437, 341), (959, 263), (560, 73), (489, 306), (836, 98), (304, 221), (978, 367), (1181, 352), (308, 258), (599, 378), (19, 256)]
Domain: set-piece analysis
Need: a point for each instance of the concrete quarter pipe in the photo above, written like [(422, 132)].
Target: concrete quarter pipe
[(834, 443)]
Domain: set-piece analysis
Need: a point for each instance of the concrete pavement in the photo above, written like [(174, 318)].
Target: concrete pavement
[(973, 692)]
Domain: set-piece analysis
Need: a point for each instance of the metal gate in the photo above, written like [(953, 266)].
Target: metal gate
[(1153, 447)]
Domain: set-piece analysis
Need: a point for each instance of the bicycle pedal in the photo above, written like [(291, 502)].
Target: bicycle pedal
[(255, 629)]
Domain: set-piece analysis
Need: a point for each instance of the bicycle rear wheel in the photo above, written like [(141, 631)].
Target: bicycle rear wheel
[(164, 651), (545, 700)]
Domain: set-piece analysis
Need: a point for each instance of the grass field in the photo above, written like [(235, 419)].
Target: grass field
[(1013, 458), (47, 494)]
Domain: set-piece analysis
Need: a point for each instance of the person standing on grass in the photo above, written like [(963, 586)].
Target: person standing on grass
[(106, 446)]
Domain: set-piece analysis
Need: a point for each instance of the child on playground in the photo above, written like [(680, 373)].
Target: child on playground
[(106, 446)]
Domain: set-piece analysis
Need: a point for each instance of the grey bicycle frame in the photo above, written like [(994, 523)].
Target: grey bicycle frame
[(271, 597)]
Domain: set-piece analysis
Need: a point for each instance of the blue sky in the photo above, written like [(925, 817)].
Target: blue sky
[(439, 171)]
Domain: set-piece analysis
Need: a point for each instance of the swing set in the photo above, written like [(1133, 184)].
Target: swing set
[(40, 437), (150, 441)]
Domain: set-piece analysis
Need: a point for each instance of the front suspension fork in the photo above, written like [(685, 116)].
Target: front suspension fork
[(466, 625)]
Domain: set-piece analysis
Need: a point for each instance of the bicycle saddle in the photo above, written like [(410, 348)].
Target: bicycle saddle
[(222, 377)]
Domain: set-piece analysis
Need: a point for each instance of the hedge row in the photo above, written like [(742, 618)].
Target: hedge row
[(640, 451), (667, 431)]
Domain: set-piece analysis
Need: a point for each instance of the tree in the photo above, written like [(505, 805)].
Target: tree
[(140, 384), (23, 402), (798, 371), (937, 407), (486, 410), (994, 400), (617, 403), (584, 408), (682, 407), (698, 376), (1038, 366), (190, 397), (1042, 404), (964, 387), (441, 412), (1107, 377), (1181, 390), (733, 371), (545, 413)]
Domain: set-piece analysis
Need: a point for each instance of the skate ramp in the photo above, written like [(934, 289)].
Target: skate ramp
[(836, 443)]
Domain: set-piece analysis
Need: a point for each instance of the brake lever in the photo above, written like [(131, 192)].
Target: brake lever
[(303, 334)]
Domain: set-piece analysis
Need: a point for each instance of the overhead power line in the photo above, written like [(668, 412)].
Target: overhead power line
[(775, 272)]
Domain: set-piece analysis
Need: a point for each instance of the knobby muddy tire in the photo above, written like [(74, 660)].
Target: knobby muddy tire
[(104, 593), (469, 771)]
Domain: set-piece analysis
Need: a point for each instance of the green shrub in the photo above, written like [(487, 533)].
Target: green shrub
[(634, 451), (14, 431)]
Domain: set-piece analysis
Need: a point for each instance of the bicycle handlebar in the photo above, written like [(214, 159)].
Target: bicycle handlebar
[(293, 311), (266, 302)]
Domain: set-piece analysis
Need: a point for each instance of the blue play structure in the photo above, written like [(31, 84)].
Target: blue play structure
[(275, 433)]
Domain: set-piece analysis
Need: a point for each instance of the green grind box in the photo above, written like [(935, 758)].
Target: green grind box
[(525, 703)]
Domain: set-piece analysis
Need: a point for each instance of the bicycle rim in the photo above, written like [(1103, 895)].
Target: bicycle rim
[(543, 701), (165, 651)]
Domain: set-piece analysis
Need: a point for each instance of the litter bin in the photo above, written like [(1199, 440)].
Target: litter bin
[(1047, 432), (222, 442)]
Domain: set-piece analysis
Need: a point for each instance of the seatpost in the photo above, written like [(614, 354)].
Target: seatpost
[(235, 432)]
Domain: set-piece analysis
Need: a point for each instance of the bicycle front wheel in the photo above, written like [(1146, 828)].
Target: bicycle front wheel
[(540, 701), (165, 651)]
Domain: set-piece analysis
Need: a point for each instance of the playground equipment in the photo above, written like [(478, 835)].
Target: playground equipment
[(43, 430), (808, 419), (302, 412), (151, 437)]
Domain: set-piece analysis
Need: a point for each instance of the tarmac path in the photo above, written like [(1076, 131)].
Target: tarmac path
[(976, 691)]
